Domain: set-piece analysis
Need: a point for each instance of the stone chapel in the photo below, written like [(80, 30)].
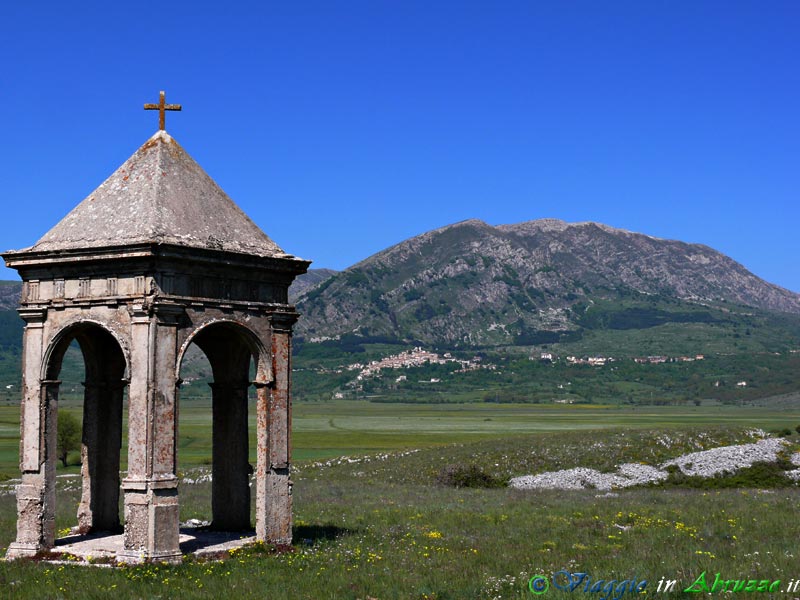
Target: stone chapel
[(156, 258)]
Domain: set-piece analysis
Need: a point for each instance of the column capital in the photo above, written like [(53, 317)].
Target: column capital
[(34, 316), (168, 313), (282, 322), (140, 312)]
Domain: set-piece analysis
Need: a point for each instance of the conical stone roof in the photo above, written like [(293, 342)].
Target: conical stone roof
[(159, 195)]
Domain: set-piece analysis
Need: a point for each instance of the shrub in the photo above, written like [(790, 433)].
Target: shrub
[(761, 475), (469, 476)]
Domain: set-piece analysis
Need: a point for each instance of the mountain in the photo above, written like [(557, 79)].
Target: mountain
[(309, 280), (473, 284), (9, 294)]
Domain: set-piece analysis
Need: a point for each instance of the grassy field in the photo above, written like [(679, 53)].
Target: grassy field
[(379, 526), (328, 429)]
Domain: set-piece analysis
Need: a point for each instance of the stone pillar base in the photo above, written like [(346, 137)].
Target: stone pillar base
[(275, 526), (23, 550), (35, 515), (129, 557), (151, 521)]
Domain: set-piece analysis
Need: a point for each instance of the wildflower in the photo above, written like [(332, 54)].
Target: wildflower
[(578, 546)]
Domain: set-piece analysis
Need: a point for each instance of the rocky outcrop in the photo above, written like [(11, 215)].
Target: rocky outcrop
[(708, 463)]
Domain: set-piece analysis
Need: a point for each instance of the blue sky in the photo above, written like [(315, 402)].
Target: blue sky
[(344, 127)]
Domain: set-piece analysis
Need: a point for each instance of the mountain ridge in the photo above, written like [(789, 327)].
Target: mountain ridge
[(475, 283)]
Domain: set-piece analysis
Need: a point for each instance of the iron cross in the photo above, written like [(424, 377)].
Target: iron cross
[(161, 107)]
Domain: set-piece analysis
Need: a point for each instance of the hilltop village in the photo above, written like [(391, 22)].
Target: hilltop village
[(420, 357)]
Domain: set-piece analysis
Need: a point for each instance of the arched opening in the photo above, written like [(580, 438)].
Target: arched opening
[(235, 359), (104, 384)]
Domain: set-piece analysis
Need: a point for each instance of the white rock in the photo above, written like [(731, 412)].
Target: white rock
[(707, 463)]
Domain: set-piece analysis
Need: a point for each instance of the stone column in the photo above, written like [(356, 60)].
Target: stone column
[(151, 487), (37, 449), (274, 486), (100, 452), (134, 486), (262, 458), (230, 482)]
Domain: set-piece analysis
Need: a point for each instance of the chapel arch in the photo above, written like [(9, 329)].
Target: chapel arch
[(216, 337), (234, 352), (105, 380)]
